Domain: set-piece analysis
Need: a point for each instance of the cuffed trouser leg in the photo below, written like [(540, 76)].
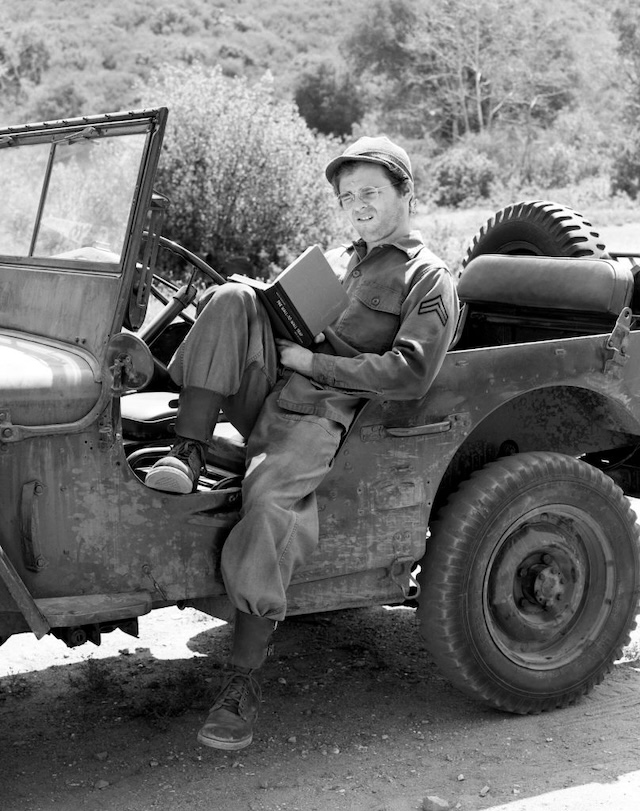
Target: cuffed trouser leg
[(288, 454)]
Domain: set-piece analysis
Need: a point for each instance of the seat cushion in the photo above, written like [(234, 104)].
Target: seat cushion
[(149, 415), (549, 283)]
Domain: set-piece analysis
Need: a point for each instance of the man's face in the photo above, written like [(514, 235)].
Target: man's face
[(382, 220)]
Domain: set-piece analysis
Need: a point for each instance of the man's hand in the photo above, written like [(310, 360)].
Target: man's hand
[(297, 357)]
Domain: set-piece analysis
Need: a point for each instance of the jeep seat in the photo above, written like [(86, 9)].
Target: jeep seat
[(512, 299), (149, 416)]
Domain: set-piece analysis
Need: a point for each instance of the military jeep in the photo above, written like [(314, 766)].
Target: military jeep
[(496, 504)]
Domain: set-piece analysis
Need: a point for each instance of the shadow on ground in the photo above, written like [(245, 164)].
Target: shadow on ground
[(356, 716)]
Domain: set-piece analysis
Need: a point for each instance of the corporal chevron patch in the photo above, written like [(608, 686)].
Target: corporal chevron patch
[(434, 305)]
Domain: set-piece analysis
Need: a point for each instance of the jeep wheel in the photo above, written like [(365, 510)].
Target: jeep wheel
[(536, 228), (530, 582)]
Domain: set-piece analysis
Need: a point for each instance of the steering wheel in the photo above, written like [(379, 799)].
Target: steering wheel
[(182, 296)]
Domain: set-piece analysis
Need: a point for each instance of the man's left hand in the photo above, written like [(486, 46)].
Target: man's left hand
[(295, 357)]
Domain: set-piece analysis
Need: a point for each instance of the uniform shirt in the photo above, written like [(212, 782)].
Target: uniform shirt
[(390, 341)]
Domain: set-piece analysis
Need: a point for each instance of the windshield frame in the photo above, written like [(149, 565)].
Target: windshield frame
[(82, 301), (107, 195)]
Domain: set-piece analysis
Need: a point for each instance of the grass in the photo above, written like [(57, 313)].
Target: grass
[(136, 691), (93, 678), (170, 696), (448, 232), (15, 685), (631, 653)]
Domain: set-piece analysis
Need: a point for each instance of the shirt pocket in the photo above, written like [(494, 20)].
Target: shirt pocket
[(374, 319)]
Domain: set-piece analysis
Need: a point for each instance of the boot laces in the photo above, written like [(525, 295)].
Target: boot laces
[(190, 452), (235, 692)]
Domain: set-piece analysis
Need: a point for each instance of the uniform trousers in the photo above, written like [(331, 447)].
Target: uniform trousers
[(231, 352)]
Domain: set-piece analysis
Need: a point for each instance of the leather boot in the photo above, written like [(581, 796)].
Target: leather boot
[(178, 472), (232, 717)]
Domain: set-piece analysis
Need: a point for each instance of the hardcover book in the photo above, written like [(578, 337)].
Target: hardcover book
[(303, 299)]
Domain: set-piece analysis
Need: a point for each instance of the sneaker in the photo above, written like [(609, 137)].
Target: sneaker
[(178, 472), (230, 722)]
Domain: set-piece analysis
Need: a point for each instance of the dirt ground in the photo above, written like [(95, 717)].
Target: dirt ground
[(356, 716)]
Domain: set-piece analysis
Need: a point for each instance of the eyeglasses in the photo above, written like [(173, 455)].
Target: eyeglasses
[(367, 194)]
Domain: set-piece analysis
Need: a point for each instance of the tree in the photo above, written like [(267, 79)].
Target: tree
[(626, 164), (626, 21), (23, 59), (330, 103), (452, 68), (242, 170)]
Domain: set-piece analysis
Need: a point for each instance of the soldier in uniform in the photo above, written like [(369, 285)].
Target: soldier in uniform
[(293, 405)]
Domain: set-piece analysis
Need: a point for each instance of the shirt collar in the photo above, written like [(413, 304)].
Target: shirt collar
[(411, 244)]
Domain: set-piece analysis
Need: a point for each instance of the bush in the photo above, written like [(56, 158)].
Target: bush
[(462, 175), (555, 166), (329, 102), (568, 153), (625, 173), (242, 170), (51, 103)]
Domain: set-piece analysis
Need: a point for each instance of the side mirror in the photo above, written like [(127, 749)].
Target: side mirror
[(130, 363)]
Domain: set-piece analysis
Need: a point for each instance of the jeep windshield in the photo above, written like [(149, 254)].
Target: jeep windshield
[(67, 197)]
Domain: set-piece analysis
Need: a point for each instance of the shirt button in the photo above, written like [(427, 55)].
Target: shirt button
[(375, 301), (356, 273)]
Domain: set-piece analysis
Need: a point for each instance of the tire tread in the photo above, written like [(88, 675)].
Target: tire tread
[(443, 567)]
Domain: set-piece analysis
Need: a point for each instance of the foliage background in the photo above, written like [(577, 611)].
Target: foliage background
[(496, 101)]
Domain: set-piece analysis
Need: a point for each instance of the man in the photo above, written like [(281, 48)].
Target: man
[(293, 404)]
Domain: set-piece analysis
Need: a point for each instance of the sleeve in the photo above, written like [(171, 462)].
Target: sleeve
[(428, 322)]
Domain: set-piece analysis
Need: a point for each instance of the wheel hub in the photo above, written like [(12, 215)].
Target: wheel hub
[(538, 587), (549, 587), (538, 583)]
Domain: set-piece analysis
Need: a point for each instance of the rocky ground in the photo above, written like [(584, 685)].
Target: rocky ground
[(356, 716)]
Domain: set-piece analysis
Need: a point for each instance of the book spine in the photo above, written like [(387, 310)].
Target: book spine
[(290, 317)]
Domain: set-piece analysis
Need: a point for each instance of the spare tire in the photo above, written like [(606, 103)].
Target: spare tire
[(537, 228)]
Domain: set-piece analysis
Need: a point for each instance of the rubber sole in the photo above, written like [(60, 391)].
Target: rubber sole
[(168, 479), (215, 743)]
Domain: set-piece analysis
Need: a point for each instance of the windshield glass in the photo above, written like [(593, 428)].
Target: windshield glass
[(69, 200), (23, 172)]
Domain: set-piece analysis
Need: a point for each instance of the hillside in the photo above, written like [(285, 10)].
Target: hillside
[(492, 106), (77, 56)]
